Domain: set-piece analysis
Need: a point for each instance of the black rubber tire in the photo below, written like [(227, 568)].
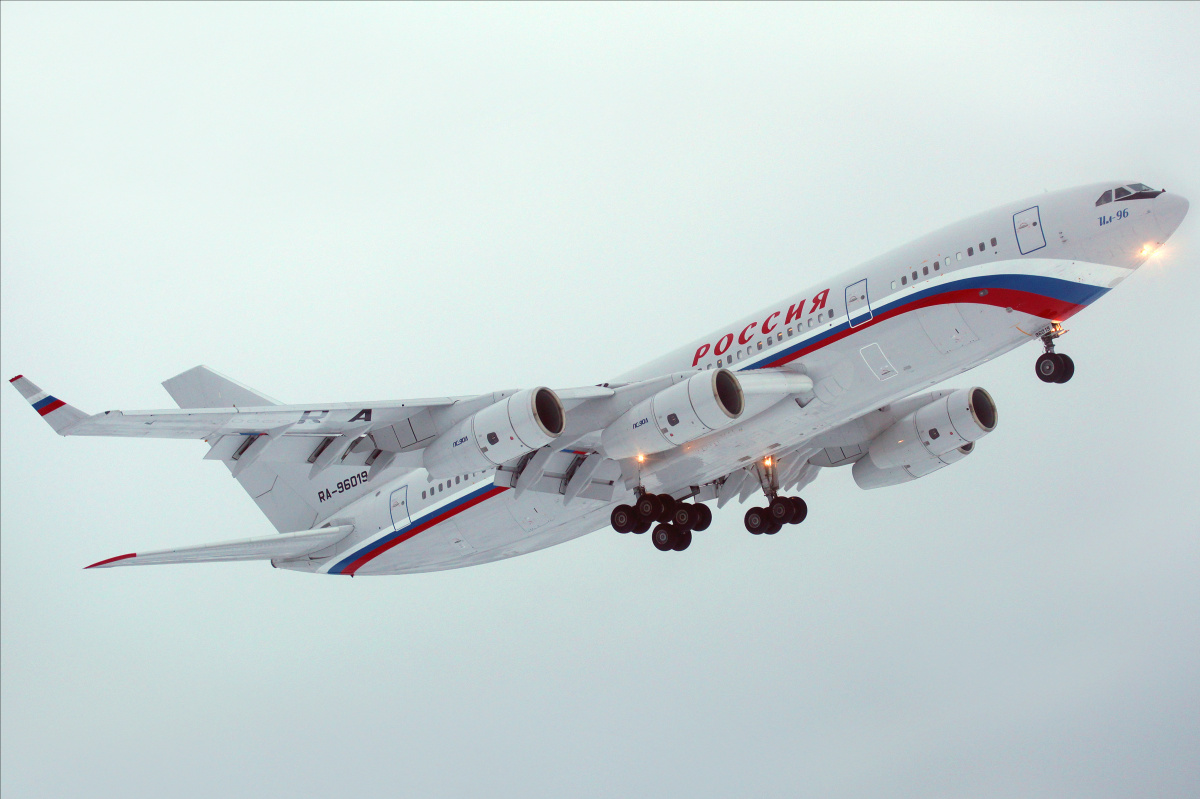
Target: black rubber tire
[(801, 510), (643, 526), (1049, 367), (704, 518), (668, 504), (623, 519), (683, 540), (1068, 369), (773, 527), (756, 520), (781, 510), (663, 537), (683, 516), (648, 506)]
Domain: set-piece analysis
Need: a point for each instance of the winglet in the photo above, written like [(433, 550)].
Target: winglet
[(110, 561), (268, 547), (57, 413)]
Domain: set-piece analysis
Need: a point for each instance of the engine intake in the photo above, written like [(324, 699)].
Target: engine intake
[(515, 425)]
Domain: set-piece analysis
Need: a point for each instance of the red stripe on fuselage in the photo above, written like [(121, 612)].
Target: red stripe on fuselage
[(1023, 301), (375, 552)]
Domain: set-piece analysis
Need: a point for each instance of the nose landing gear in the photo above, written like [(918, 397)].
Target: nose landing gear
[(1051, 366)]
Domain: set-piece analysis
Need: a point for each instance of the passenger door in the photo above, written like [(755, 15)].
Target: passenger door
[(1028, 226), (398, 506), (858, 303)]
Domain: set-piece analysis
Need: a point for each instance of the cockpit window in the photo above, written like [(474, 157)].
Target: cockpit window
[(1133, 191)]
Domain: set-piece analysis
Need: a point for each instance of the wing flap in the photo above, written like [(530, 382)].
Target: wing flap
[(267, 547)]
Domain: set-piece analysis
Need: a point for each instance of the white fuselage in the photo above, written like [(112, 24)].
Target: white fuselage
[(869, 336)]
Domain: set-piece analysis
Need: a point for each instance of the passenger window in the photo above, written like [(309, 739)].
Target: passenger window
[(893, 285), (981, 247), (1106, 197), (925, 270), (914, 274), (789, 332), (970, 251), (1121, 193), (993, 241), (904, 281), (422, 495), (456, 479), (760, 345), (728, 359), (958, 256), (779, 337)]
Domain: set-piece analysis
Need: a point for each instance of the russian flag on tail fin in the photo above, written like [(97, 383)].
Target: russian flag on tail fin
[(57, 413)]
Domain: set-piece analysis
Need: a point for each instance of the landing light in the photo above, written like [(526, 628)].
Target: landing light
[(1149, 248), (641, 458), (767, 463)]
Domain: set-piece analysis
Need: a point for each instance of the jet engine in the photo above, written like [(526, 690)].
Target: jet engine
[(869, 476), (684, 412), (515, 425), (935, 429), (933, 436), (707, 401)]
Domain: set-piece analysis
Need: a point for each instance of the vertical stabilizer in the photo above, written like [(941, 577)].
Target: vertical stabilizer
[(269, 483)]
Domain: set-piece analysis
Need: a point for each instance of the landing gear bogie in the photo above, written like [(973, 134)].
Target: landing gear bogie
[(771, 519), (673, 521)]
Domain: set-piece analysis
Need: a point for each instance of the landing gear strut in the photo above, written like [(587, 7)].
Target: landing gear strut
[(781, 510), (1051, 366)]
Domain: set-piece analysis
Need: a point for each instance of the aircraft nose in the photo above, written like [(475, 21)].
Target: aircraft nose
[(1169, 211)]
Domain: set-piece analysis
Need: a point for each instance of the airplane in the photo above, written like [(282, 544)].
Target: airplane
[(835, 375)]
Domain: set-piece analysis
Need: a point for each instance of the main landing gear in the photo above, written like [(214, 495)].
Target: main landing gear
[(1053, 367), (675, 520), (781, 510), (771, 519)]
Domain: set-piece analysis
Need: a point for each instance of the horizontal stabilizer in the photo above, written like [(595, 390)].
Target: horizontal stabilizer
[(266, 547), (57, 413)]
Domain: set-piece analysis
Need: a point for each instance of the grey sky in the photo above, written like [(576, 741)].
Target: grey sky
[(367, 202)]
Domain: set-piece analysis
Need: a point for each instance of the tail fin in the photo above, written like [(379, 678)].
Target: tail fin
[(201, 387), (58, 414), (282, 490)]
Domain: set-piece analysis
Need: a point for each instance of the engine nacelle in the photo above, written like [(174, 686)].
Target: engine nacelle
[(684, 412), (515, 425), (935, 430), (869, 476)]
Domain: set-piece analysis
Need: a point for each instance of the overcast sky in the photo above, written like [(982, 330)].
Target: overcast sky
[(389, 201)]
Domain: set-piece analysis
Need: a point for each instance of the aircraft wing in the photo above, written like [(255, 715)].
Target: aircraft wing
[(329, 419), (267, 547)]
